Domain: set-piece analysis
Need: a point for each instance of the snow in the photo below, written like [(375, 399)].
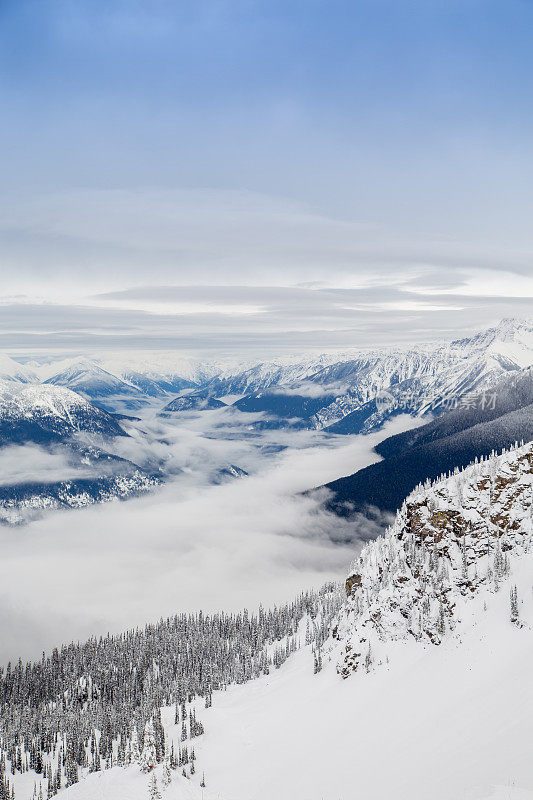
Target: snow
[(432, 717), (449, 722), (440, 722), (126, 784), (27, 399), (429, 372)]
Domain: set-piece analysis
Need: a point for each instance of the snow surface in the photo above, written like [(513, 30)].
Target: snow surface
[(25, 400), (442, 723), (448, 723), (448, 718)]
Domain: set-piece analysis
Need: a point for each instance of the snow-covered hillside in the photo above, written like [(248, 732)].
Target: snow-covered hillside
[(94, 383), (429, 378), (422, 688), (450, 541), (52, 410), (56, 425), (20, 504)]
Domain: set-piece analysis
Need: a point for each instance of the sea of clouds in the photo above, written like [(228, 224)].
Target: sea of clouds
[(192, 544)]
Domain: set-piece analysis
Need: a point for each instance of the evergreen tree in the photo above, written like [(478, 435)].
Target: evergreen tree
[(134, 755), (167, 774), (514, 604), (149, 753), (153, 789)]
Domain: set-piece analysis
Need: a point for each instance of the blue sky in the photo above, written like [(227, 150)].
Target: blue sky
[(266, 144)]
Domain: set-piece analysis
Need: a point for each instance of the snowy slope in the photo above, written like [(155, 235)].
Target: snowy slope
[(40, 412), (447, 722), (425, 687), (443, 722), (94, 383), (427, 379), (437, 699), (11, 370)]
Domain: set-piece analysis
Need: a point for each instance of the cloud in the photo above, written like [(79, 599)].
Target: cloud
[(234, 271), (310, 389), (30, 463), (190, 545)]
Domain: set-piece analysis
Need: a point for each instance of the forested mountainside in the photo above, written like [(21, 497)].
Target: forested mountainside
[(88, 707), (482, 423), (512, 393)]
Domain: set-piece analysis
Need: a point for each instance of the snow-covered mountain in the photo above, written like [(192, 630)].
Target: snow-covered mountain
[(417, 686), (423, 379), (44, 413), (54, 422), (419, 379), (363, 389), (94, 383), (192, 402), (153, 384), (11, 370), (265, 375), (167, 367), (121, 384)]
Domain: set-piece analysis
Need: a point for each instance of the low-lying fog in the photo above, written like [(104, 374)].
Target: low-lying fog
[(189, 545)]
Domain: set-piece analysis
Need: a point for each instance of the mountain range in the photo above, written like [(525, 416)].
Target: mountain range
[(489, 421), (421, 379), (477, 391)]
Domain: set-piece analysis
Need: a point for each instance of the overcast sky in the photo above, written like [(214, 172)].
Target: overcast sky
[(255, 176)]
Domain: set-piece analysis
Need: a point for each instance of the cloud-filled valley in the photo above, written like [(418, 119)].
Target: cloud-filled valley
[(190, 544)]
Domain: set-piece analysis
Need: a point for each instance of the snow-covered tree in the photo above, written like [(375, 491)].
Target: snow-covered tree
[(153, 789), (167, 773), (149, 753), (514, 604)]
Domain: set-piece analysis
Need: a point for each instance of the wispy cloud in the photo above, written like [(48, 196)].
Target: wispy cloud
[(213, 270)]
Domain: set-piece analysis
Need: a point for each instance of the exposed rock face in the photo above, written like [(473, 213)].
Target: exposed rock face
[(450, 540), (352, 583)]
